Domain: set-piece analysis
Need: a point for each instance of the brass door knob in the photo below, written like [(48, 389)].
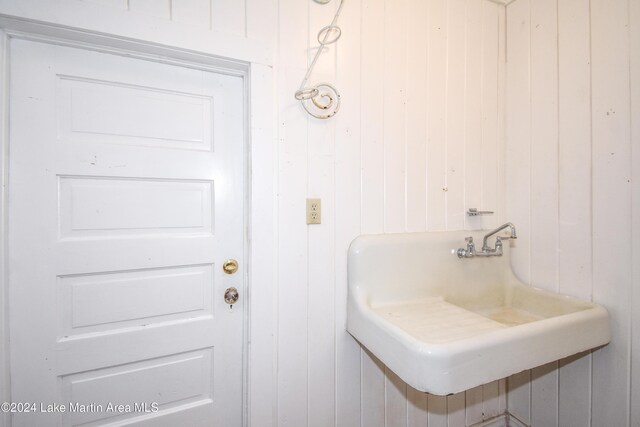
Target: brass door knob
[(230, 266)]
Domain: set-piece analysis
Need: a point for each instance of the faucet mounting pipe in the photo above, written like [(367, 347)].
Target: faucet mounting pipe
[(496, 231), (470, 250)]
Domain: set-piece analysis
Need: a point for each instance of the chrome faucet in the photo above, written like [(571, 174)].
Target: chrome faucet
[(470, 251), (499, 239)]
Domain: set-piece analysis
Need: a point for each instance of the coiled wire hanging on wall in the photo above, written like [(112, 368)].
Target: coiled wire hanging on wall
[(322, 100)]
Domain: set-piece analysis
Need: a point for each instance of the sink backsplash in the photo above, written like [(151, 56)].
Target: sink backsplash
[(422, 265)]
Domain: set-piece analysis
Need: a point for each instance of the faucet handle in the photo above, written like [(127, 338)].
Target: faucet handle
[(469, 239)]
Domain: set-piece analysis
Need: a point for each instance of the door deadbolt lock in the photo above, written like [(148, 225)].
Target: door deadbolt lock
[(231, 295), (230, 266)]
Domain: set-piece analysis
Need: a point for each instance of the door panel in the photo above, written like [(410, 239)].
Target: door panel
[(125, 198)]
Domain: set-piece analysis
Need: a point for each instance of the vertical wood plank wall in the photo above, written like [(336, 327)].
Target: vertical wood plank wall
[(418, 140), (416, 143), (225, 16), (572, 168)]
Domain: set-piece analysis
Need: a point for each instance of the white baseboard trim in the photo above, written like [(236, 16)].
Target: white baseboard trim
[(514, 422), (504, 420), (499, 421)]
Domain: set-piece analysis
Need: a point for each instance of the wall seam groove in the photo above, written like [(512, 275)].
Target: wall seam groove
[(446, 128), (591, 194), (406, 137), (558, 210), (211, 16), (277, 95), (361, 387), (635, 277), (405, 105), (501, 96), (427, 109), (360, 132), (557, 236), (530, 213), (336, 66), (246, 19), (384, 140), (306, 318), (298, 138), (482, 127), (333, 249), (530, 245), (361, 402), (464, 122), (630, 160), (384, 410)]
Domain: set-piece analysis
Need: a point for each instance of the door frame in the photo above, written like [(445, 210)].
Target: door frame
[(259, 176)]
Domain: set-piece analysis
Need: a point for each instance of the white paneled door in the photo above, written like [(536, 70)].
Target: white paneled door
[(125, 199)]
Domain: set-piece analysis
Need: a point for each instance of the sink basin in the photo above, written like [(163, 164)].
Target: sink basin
[(445, 324)]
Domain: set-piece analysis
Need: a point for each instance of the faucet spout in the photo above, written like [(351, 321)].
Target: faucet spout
[(485, 246)]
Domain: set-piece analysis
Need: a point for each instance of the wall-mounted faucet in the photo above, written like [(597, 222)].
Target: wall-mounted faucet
[(470, 251)]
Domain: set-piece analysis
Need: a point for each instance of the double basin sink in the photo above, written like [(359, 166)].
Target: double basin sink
[(445, 324)]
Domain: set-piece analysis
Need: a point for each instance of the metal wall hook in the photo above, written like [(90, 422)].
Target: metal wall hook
[(476, 212)]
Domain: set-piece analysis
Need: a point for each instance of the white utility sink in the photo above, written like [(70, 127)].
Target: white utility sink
[(445, 324)]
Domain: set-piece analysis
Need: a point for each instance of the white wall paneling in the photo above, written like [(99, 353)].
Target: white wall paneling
[(158, 9), (120, 4), (374, 167), (417, 409), (227, 16), (634, 50), (457, 19), (544, 188), (185, 25), (262, 21), (472, 125), (517, 165), (293, 288), (418, 140), (372, 111), (199, 13), (493, 128), (415, 112), (4, 173), (572, 134), (263, 256), (321, 278), (474, 405), (611, 205), (574, 203), (435, 115), (149, 45), (372, 181), (518, 132), (394, 89), (349, 126), (437, 407), (491, 122)]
